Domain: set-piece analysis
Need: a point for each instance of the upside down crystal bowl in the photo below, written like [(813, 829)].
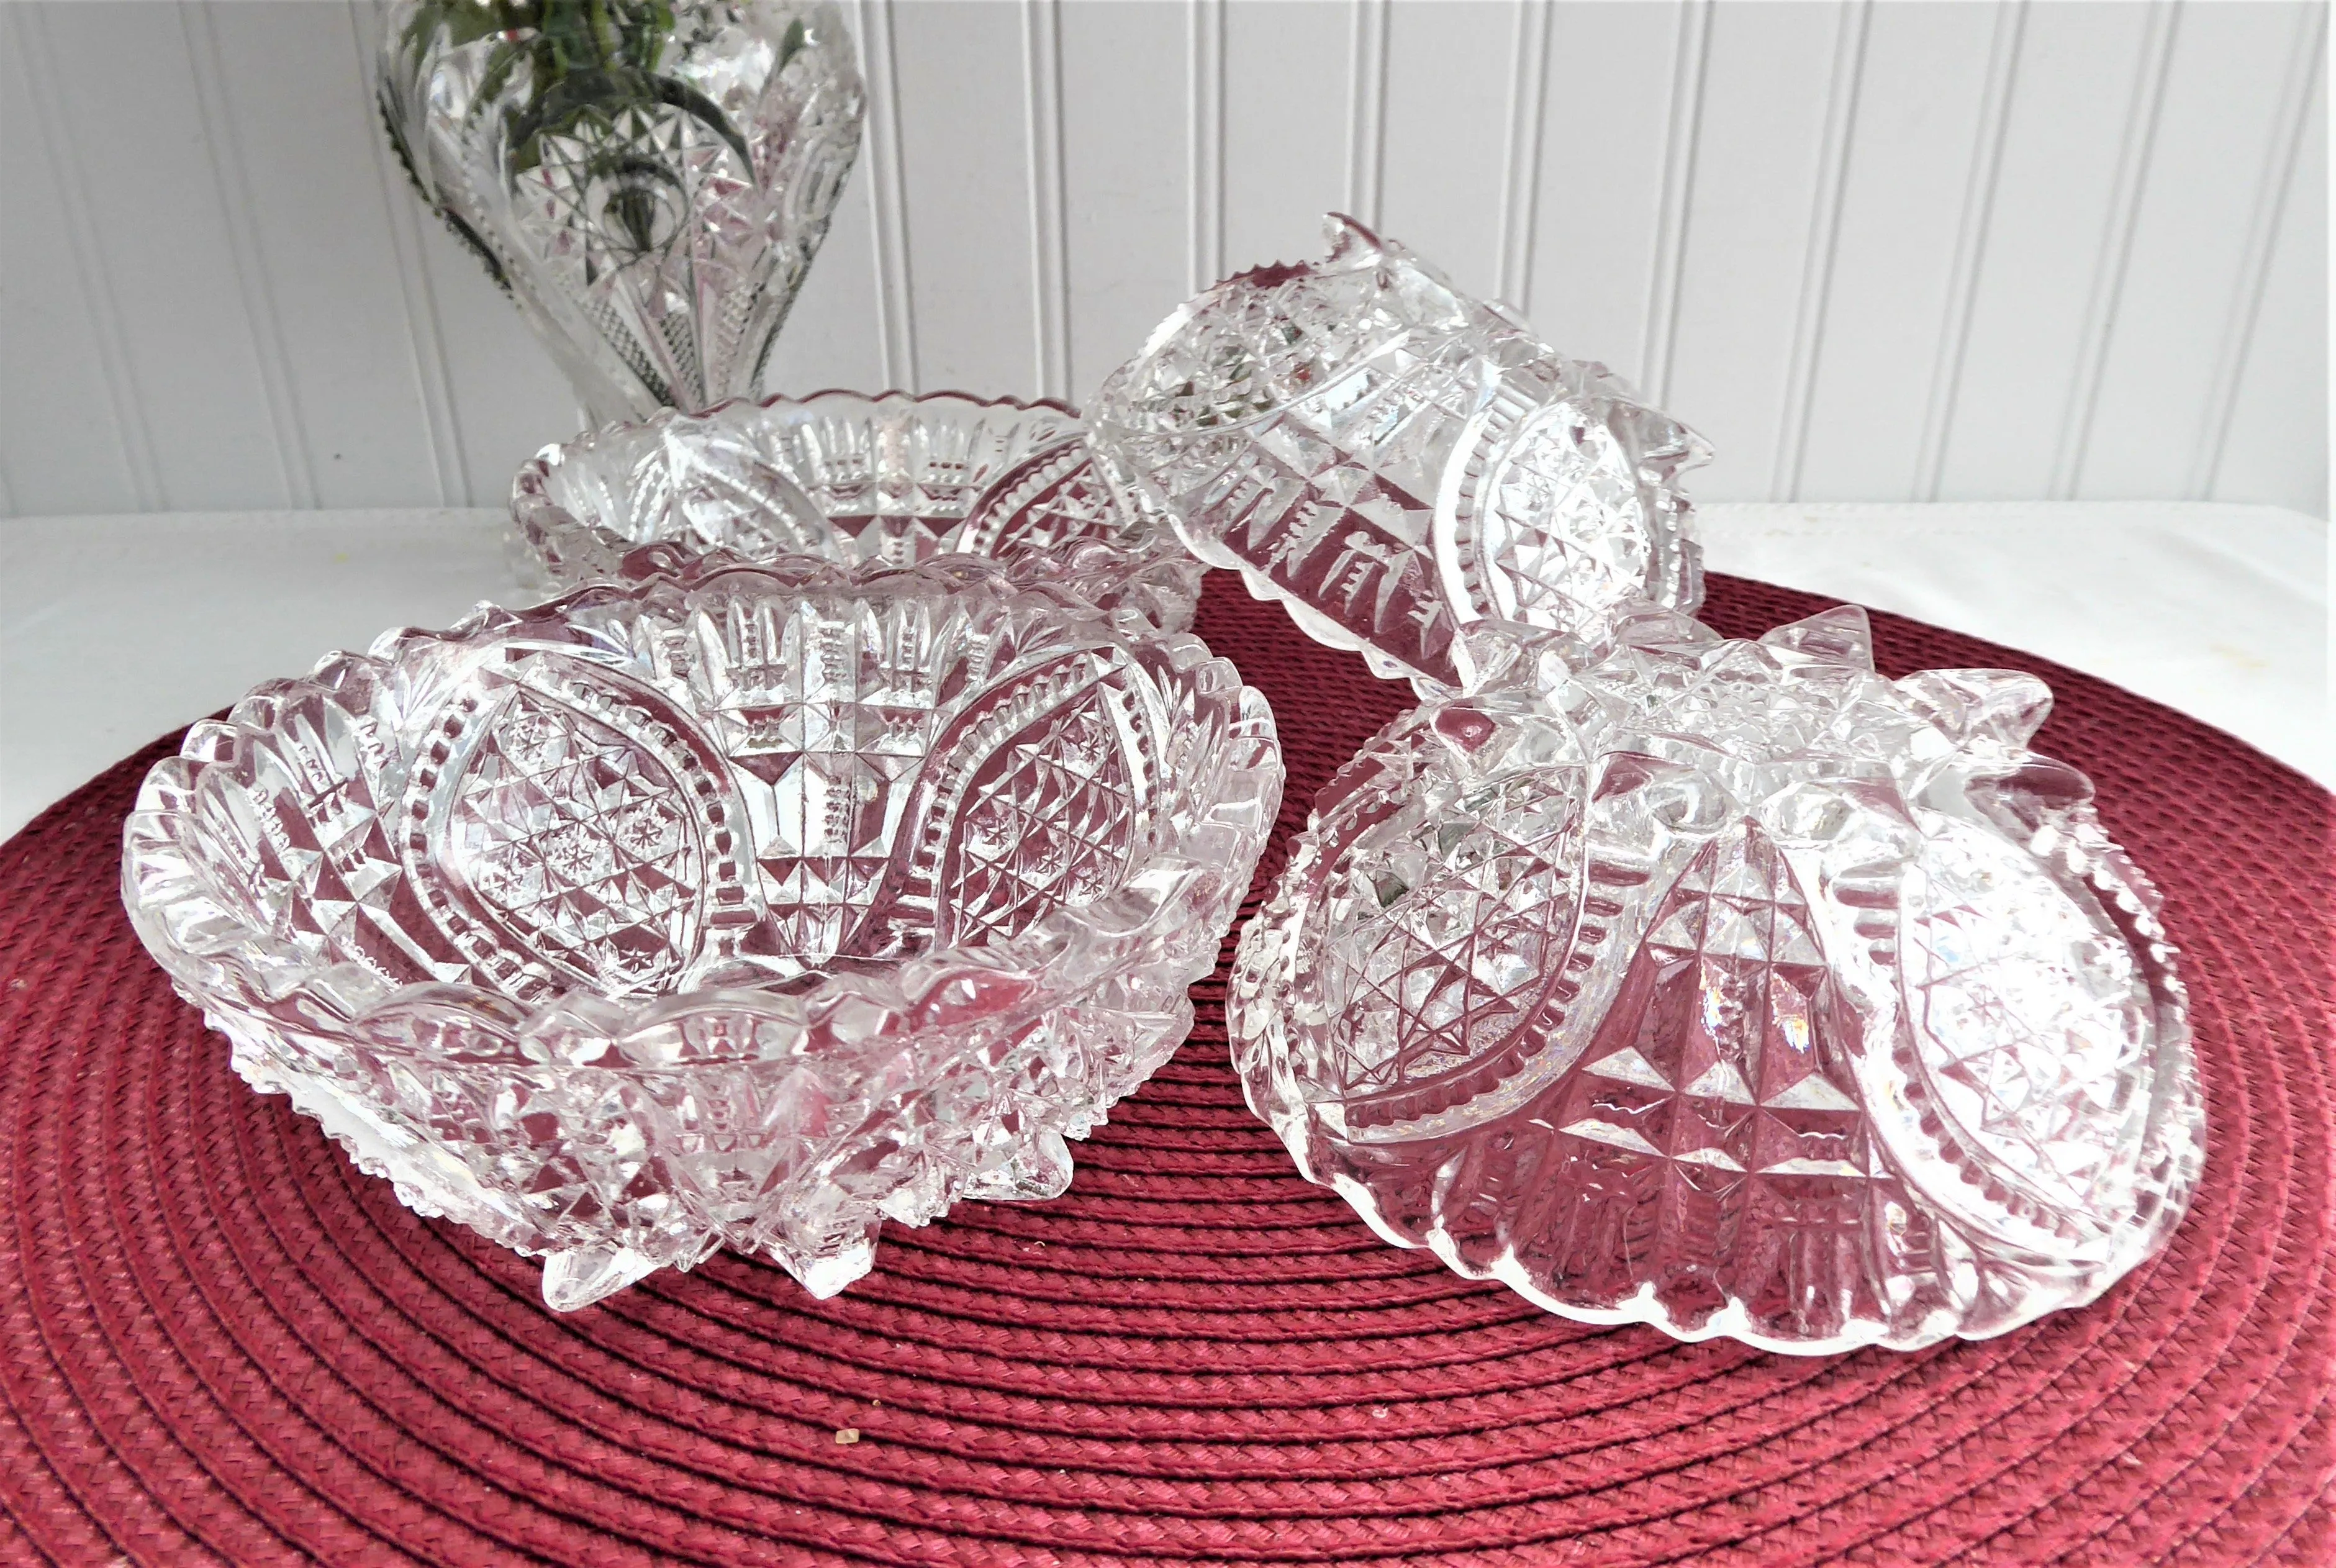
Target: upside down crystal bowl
[(1729, 987), (727, 905), (1392, 459), (856, 479)]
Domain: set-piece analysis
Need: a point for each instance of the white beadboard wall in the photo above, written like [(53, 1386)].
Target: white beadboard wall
[(1906, 251)]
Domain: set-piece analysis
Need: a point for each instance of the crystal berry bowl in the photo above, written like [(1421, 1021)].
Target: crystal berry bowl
[(1729, 987), (855, 479), (726, 905), (1393, 460)]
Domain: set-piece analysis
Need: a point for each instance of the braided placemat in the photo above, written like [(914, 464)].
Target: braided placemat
[(218, 1343)]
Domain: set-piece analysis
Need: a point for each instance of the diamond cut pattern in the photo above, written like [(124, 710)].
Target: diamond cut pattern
[(581, 842), (2027, 1010), (1051, 821), (1456, 967), (1832, 1054), (1049, 499), (1725, 1066), (561, 920), (1351, 433), (657, 244)]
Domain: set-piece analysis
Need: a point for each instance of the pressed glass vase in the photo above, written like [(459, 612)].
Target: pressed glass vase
[(649, 179)]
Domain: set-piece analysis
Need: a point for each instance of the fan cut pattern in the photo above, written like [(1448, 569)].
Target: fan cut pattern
[(892, 480)]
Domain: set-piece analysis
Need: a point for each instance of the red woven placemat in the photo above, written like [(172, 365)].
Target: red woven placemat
[(220, 1343)]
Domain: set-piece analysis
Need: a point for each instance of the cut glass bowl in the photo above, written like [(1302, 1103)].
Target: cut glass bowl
[(857, 478), (1392, 458), (729, 905), (1728, 988)]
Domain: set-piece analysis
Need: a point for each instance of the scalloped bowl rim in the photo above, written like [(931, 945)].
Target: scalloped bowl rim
[(913, 992), (529, 484)]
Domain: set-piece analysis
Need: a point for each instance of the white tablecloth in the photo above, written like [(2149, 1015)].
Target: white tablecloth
[(113, 629)]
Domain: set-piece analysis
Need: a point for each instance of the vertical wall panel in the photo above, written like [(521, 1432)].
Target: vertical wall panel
[(1042, 87), (502, 398), (233, 191), (2275, 449), (967, 161), (2071, 100), (119, 82), (831, 337), (1442, 165), (835, 337), (2219, 133), (1288, 69), (1604, 121), (1918, 128), (509, 399), (1765, 87), (896, 315), (1909, 250), (416, 322), (1520, 154), (303, 139), (60, 439), (1126, 110), (1368, 27), (1204, 142), (1820, 244)]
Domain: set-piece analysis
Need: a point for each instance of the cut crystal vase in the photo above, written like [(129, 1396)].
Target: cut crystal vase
[(892, 478), (723, 905), (1393, 460), (649, 179), (1727, 986)]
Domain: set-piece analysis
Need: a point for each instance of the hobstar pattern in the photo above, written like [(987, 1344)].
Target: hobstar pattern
[(1729, 987), (852, 478), (1393, 459), (654, 221), (730, 905)]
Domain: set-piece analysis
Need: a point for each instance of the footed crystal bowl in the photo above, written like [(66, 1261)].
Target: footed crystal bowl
[(1392, 459), (857, 478), (727, 905), (1728, 988)]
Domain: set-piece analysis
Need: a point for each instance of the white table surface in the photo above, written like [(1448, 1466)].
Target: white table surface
[(115, 630)]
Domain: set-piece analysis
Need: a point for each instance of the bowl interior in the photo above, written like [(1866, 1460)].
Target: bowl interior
[(629, 796), (855, 479)]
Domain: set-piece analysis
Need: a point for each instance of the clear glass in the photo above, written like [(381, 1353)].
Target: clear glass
[(649, 179), (728, 905), (1392, 458), (1729, 987), (853, 478)]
